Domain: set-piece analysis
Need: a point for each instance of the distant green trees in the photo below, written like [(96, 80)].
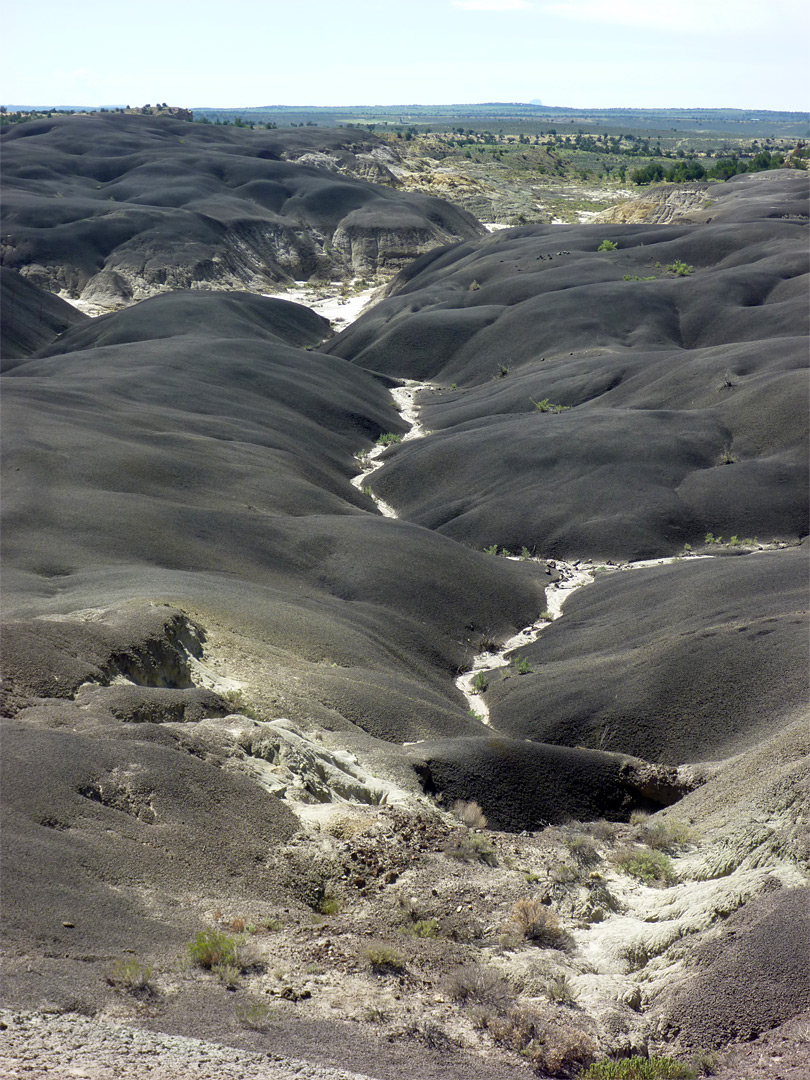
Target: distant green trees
[(724, 169)]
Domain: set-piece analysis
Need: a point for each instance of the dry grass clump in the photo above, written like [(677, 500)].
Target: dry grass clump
[(474, 984), (469, 814), (582, 849), (666, 834), (638, 1068), (561, 990), (430, 1035), (255, 1015), (604, 831), (553, 1046), (132, 976), (532, 920)]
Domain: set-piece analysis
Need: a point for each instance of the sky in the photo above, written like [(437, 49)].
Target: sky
[(578, 53)]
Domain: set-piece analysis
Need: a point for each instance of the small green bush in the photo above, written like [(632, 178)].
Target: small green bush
[(544, 406), (330, 905), (638, 1068), (211, 948), (480, 683), (647, 866), (422, 928), (384, 960), (521, 666), (388, 438), (607, 245), (680, 269), (470, 847)]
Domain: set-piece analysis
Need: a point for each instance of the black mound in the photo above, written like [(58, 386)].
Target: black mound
[(753, 976), (521, 784), (685, 396), (120, 207), (30, 317), (684, 662)]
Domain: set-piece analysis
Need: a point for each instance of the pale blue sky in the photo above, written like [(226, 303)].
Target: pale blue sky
[(599, 53)]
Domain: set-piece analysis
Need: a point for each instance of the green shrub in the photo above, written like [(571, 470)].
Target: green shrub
[(607, 245), (388, 438), (480, 683), (521, 666), (384, 960), (647, 866), (638, 1068), (680, 269), (471, 847), (422, 928), (211, 948), (545, 406), (330, 905)]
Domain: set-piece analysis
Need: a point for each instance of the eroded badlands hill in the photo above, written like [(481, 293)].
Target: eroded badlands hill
[(230, 681), (116, 208)]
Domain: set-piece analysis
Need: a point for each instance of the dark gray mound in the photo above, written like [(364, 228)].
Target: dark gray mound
[(685, 395), (751, 977), (119, 207), (223, 317), (30, 318), (693, 660), (183, 450), (528, 785), (117, 846), (116, 814)]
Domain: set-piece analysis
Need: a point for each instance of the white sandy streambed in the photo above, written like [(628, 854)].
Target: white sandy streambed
[(329, 301), (405, 400)]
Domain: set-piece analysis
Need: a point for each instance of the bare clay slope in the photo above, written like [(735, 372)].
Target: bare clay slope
[(115, 208)]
